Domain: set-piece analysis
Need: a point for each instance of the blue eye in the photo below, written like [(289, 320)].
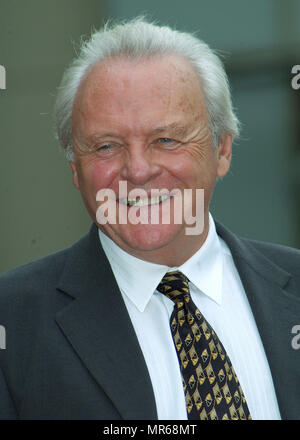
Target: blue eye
[(165, 140), (168, 143), (104, 147)]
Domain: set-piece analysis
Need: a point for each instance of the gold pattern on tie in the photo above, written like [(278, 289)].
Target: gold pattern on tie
[(211, 387)]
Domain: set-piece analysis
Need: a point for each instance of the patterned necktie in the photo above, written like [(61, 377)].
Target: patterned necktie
[(211, 387)]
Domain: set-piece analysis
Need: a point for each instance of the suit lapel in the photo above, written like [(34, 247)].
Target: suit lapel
[(276, 308), (98, 327)]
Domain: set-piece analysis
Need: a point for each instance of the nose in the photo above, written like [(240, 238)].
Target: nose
[(140, 167)]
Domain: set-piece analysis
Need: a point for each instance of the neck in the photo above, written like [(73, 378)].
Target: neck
[(174, 254)]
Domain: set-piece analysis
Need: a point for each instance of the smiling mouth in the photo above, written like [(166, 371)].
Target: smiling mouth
[(146, 201)]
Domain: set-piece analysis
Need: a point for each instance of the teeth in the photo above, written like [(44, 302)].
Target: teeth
[(145, 201)]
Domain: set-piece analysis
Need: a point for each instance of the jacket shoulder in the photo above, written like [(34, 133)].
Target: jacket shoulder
[(36, 277), (286, 257), (33, 275), (262, 254)]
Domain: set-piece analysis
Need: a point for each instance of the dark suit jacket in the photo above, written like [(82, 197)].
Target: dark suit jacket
[(71, 350)]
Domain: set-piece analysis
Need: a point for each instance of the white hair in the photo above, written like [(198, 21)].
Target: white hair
[(138, 38)]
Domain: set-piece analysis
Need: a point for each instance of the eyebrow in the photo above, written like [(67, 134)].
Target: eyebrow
[(174, 127)]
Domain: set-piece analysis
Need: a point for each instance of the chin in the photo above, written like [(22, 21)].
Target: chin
[(147, 237)]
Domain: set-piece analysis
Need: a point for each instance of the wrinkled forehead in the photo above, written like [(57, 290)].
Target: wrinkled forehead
[(161, 75), (127, 97)]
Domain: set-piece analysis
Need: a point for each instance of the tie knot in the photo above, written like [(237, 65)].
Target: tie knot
[(175, 286)]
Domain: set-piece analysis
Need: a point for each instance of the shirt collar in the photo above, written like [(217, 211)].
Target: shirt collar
[(138, 279), (205, 268)]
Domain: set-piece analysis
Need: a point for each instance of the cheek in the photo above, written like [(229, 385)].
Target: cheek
[(99, 175), (194, 166), (203, 162)]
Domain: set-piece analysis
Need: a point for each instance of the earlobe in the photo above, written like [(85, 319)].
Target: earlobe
[(224, 153), (75, 175)]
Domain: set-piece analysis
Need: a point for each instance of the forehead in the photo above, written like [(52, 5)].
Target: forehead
[(146, 88)]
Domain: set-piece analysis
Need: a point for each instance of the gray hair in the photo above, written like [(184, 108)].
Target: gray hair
[(138, 38)]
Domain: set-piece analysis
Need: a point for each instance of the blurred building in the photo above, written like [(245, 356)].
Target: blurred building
[(41, 212)]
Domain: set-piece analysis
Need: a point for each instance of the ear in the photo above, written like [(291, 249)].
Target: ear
[(75, 174), (224, 153)]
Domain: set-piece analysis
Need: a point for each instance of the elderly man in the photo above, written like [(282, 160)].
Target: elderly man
[(147, 317)]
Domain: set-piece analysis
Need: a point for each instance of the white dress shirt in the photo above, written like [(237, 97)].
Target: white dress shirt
[(217, 291)]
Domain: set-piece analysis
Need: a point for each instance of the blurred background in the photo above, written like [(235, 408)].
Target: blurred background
[(41, 212)]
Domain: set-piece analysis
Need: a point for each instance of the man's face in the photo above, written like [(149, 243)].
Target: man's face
[(145, 123)]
